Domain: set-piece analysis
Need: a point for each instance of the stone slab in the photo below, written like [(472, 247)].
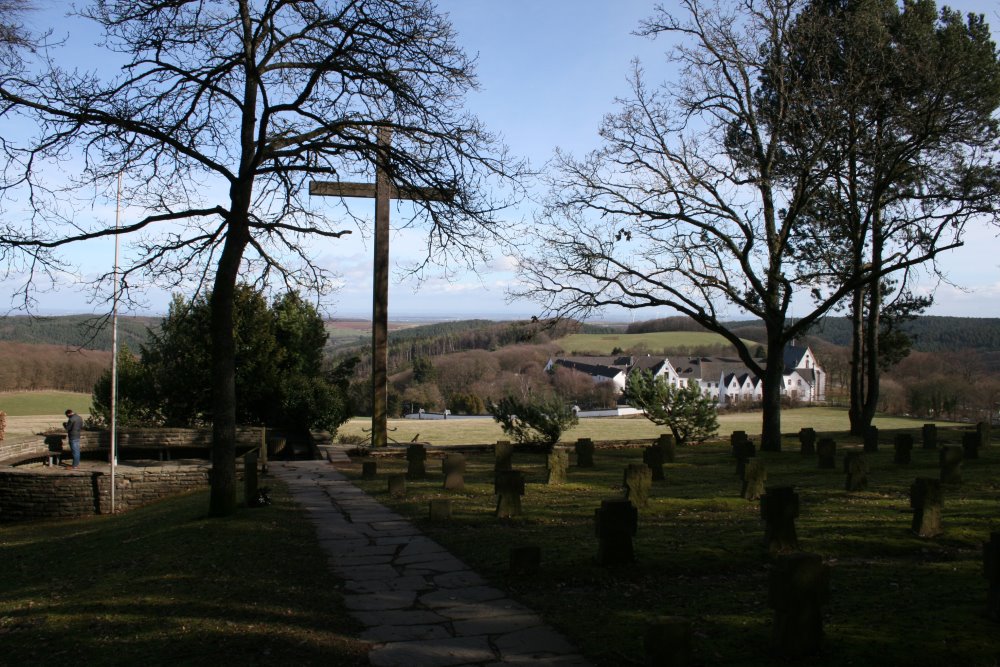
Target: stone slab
[(432, 653)]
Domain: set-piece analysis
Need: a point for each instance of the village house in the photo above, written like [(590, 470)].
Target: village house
[(726, 379)]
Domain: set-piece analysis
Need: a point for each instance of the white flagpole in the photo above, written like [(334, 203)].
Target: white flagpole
[(114, 350)]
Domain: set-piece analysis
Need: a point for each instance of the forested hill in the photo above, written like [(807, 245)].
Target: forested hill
[(931, 333), (432, 340), (76, 331)]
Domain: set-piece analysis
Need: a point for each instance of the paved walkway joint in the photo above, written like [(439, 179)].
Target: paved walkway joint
[(422, 606)]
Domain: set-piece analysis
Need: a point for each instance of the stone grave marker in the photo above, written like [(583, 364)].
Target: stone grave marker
[(526, 559), (754, 480), (991, 570), (950, 463), (652, 456), (799, 586), (584, 453), (638, 480), (735, 439), (826, 453), (970, 445), (615, 523), (669, 642), (397, 485), (984, 429), (415, 457), (779, 507), (902, 448), (453, 467), (557, 463), (508, 486), (668, 444), (927, 501), (440, 509), (871, 439), (928, 434), (807, 441), (369, 469), (744, 451), (504, 452), (856, 471)]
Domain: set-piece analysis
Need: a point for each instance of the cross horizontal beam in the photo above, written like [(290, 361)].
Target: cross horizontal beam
[(367, 191)]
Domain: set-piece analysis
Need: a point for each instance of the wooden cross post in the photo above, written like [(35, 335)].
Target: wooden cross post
[(382, 191)]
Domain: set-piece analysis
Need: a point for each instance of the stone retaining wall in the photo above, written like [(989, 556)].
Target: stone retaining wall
[(171, 438), (33, 493)]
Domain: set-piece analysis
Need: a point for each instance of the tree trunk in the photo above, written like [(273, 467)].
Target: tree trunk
[(872, 374), (770, 439), (223, 475), (857, 389)]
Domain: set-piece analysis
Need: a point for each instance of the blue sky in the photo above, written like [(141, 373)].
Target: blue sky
[(549, 70)]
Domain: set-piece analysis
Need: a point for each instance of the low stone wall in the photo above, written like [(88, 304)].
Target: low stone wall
[(43, 493), (144, 438)]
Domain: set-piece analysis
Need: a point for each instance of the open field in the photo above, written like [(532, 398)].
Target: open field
[(486, 430), (163, 585), (681, 341), (895, 599), (28, 403)]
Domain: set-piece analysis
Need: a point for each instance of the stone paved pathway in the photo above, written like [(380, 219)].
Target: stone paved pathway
[(422, 606)]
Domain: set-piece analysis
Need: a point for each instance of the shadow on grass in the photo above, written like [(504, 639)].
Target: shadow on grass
[(164, 585)]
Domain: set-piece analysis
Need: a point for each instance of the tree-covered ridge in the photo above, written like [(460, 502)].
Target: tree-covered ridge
[(930, 333), (433, 340), (89, 332)]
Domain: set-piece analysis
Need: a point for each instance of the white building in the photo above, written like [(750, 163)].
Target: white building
[(726, 379)]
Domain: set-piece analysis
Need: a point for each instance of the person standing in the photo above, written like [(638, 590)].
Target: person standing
[(73, 426)]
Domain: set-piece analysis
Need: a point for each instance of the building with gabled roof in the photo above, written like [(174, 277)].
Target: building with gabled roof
[(726, 379)]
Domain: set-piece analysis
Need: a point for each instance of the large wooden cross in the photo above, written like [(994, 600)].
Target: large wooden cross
[(382, 191)]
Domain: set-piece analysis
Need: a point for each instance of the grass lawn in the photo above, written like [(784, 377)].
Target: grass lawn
[(895, 599), (26, 403), (485, 431), (163, 585)]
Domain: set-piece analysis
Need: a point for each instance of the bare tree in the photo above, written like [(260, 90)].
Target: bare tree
[(222, 113), (699, 199)]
